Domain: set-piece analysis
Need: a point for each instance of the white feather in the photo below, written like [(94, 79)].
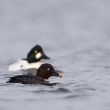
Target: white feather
[(23, 64), (38, 55)]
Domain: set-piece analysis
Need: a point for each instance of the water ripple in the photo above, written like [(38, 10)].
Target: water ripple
[(59, 90)]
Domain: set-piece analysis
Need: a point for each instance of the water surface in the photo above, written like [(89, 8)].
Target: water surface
[(75, 34)]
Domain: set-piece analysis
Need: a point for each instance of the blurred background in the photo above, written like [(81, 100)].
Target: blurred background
[(53, 24), (75, 34)]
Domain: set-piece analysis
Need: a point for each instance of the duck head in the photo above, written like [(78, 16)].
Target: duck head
[(46, 70), (36, 54)]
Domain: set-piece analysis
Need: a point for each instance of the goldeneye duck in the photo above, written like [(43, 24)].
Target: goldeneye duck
[(32, 61), (44, 72)]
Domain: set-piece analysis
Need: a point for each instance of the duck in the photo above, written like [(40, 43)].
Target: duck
[(32, 61), (44, 72)]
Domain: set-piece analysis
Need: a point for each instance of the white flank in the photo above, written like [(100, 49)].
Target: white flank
[(22, 65)]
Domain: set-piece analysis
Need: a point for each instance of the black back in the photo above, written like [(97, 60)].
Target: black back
[(28, 79)]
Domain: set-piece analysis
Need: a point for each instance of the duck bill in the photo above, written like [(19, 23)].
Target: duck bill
[(45, 56), (56, 74)]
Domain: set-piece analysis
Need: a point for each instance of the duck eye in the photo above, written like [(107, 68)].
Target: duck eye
[(48, 69), (36, 51)]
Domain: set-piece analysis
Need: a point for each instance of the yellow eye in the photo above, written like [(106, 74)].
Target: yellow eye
[(48, 69), (36, 51)]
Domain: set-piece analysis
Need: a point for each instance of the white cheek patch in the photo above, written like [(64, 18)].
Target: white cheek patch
[(38, 55)]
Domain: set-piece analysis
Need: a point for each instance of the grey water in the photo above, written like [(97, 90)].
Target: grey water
[(75, 34)]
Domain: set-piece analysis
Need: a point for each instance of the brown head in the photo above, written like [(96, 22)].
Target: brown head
[(46, 70)]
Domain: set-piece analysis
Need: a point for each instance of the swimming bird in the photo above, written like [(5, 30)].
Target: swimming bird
[(44, 72), (32, 61)]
